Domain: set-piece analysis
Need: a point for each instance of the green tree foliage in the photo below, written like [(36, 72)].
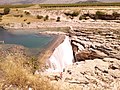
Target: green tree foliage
[(83, 17), (6, 10), (73, 14), (99, 13)]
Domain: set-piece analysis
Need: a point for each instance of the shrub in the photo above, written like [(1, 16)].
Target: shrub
[(67, 14), (39, 17), (80, 18), (46, 17), (58, 19), (21, 15), (28, 22), (83, 17), (16, 75), (27, 13), (73, 14), (115, 14), (16, 9), (6, 10), (99, 13), (25, 20), (34, 63)]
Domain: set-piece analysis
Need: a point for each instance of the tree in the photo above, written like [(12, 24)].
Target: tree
[(72, 14), (58, 19), (6, 10)]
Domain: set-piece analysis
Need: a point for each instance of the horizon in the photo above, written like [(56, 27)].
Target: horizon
[(50, 1)]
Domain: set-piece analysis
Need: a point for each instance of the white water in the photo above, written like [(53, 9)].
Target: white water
[(61, 57)]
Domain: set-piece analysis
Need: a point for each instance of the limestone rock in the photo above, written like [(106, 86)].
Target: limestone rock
[(87, 54), (115, 73)]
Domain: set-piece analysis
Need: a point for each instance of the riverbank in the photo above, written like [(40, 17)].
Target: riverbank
[(95, 43), (64, 26), (97, 61), (41, 53), (48, 51)]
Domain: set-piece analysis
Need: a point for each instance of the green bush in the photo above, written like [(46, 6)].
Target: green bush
[(6, 10), (58, 19), (39, 17), (83, 17), (73, 14), (99, 13), (46, 17)]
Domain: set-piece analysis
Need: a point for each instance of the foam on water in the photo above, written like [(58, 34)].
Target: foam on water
[(61, 57)]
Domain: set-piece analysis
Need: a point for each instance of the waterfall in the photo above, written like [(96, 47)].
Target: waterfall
[(61, 57)]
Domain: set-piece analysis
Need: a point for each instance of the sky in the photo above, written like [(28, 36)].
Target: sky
[(50, 1)]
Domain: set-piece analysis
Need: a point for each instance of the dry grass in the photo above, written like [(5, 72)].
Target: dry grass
[(15, 75)]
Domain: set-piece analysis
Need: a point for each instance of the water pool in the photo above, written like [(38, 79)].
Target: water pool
[(26, 39)]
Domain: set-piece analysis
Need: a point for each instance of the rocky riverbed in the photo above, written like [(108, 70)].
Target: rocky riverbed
[(96, 66), (97, 61)]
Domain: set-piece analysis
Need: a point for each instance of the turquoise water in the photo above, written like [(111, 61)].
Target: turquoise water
[(29, 40)]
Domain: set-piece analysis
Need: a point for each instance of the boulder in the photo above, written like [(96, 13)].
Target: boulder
[(86, 55)]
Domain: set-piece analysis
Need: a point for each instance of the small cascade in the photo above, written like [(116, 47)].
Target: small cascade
[(61, 57)]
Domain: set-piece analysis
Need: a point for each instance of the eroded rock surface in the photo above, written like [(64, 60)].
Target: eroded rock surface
[(97, 61)]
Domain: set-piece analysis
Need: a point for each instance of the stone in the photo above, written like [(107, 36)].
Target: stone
[(79, 82), (80, 47), (101, 54), (110, 59), (114, 66), (114, 73), (101, 65), (85, 55), (113, 37)]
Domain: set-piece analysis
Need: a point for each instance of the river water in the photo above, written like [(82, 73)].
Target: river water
[(26, 39)]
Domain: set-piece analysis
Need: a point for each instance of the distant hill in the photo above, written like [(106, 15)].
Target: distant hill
[(109, 0), (89, 1), (51, 1)]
